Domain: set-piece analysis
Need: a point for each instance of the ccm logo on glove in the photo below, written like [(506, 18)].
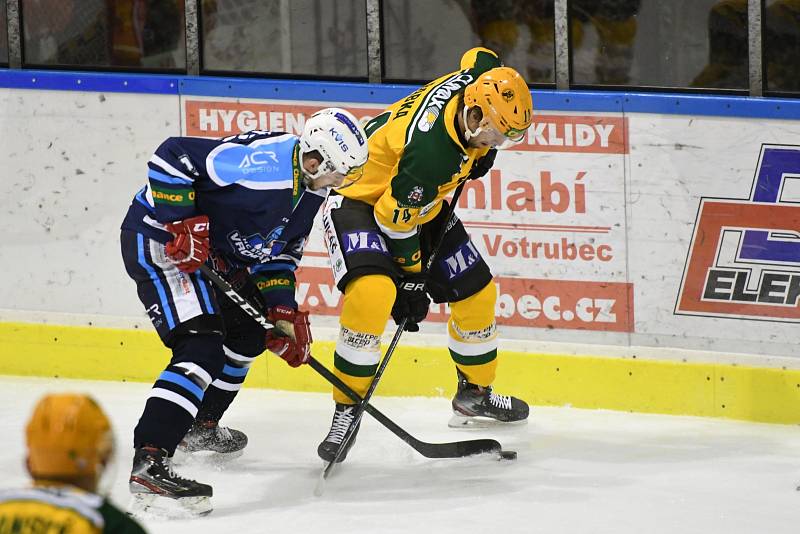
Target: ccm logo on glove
[(291, 337), (188, 250)]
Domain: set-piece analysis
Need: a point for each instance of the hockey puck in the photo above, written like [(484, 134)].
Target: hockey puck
[(508, 455)]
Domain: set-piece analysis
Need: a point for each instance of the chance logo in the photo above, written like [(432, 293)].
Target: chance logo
[(744, 260)]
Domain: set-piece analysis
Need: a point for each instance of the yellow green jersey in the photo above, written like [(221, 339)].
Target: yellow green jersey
[(61, 510), (417, 156)]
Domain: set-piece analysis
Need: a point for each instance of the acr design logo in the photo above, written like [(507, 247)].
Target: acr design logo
[(744, 259), (255, 161)]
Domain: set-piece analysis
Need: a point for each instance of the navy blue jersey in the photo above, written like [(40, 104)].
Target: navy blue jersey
[(250, 186)]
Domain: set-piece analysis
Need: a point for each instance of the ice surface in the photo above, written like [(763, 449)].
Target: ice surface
[(578, 471)]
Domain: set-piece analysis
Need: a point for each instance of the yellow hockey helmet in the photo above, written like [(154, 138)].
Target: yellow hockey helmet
[(503, 96), (68, 435)]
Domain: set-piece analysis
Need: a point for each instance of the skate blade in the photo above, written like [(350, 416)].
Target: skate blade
[(459, 420), (152, 506)]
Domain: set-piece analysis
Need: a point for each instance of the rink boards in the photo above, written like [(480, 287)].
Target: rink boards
[(646, 247)]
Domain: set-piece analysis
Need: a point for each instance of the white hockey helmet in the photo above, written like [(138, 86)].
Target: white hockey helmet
[(341, 141)]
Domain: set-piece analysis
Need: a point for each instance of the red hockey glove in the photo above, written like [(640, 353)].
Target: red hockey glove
[(189, 249), (291, 337)]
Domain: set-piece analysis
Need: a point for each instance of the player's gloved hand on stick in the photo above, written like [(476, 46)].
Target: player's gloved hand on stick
[(412, 301), (291, 337), (483, 165), (188, 250)]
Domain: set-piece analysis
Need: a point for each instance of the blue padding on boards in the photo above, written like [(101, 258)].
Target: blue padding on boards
[(342, 92), (349, 92), (89, 81), (708, 105), (548, 100)]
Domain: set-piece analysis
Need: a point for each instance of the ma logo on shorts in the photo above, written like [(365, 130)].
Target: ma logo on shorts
[(462, 260)]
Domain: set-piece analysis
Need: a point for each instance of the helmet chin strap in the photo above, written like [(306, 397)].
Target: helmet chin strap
[(310, 181), (469, 134), (309, 175)]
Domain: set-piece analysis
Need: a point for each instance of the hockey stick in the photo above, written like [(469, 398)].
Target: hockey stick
[(456, 449), (359, 411)]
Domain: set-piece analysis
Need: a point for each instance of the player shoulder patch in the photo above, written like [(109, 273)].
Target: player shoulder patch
[(427, 119)]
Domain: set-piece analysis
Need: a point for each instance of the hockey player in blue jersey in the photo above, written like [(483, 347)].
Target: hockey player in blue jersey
[(247, 201)]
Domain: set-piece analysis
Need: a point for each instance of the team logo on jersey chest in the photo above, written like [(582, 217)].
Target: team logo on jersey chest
[(416, 195), (256, 246)]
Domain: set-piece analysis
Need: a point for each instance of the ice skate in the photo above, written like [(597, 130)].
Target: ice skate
[(475, 406), (210, 436), (159, 492), (342, 418)]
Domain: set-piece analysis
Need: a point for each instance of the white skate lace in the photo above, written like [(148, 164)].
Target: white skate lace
[(167, 463), (341, 422), (224, 434), (500, 401)]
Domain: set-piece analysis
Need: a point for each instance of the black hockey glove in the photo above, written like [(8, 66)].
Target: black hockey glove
[(482, 165), (412, 301)]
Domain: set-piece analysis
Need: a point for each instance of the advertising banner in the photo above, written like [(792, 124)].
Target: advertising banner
[(549, 218), (714, 232), (647, 229), (744, 261)]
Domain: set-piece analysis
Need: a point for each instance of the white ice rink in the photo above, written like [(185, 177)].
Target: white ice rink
[(578, 471)]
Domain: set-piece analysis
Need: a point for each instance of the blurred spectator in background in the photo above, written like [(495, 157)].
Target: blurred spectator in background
[(70, 446), (304, 37), (65, 32), (147, 33), (727, 47), (498, 22), (782, 45), (234, 29), (615, 24), (3, 33), (100, 33)]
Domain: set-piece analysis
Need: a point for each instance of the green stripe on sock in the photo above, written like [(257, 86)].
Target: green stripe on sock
[(353, 369), (473, 360)]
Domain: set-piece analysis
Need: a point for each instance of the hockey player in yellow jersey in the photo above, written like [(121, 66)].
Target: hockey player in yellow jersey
[(69, 447), (380, 230)]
